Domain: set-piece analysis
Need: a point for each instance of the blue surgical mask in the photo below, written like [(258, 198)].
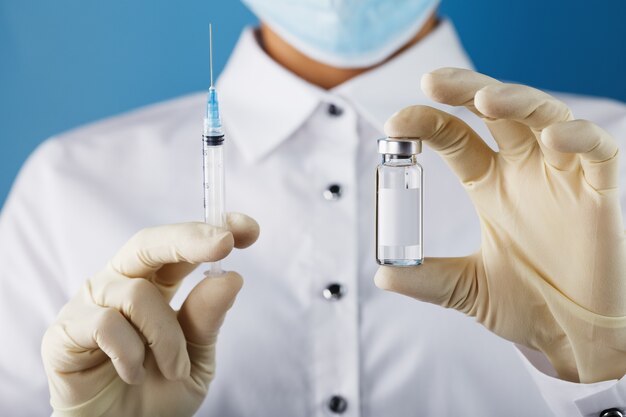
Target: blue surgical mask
[(345, 33)]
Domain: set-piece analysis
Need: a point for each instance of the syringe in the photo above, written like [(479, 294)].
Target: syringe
[(213, 164)]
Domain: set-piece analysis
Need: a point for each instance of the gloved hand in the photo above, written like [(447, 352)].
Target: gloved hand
[(118, 349), (551, 270)]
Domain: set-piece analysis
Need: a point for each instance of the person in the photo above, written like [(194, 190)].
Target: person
[(304, 98)]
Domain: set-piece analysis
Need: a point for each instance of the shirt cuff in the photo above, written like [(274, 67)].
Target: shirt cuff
[(570, 398)]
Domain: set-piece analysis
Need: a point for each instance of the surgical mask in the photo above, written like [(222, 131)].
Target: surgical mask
[(345, 33)]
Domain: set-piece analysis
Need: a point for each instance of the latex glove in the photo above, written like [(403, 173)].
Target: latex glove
[(551, 270), (118, 348)]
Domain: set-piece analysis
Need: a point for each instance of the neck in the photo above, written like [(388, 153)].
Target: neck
[(318, 73)]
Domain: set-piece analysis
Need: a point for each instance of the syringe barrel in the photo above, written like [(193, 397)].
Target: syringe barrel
[(214, 185), (214, 198)]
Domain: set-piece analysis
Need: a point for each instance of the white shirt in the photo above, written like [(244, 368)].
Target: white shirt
[(284, 349)]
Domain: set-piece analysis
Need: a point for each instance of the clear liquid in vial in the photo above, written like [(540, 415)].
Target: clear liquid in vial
[(399, 213)]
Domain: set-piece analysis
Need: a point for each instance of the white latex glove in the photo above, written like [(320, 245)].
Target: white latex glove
[(551, 270), (118, 349)]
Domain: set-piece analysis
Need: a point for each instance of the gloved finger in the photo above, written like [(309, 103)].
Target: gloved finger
[(524, 104), (152, 248), (201, 316), (597, 148), (464, 151), (143, 305), (68, 346), (244, 228), (448, 282), (530, 107), (457, 87), (245, 231)]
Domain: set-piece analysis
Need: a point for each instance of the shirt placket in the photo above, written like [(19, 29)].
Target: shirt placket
[(334, 289)]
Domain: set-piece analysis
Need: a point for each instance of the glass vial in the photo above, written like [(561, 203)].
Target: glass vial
[(399, 203)]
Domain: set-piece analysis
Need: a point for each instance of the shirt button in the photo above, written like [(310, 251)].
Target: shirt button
[(337, 404), (333, 291), (333, 192), (333, 110), (611, 412)]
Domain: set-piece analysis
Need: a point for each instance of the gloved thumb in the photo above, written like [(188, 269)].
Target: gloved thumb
[(448, 282), (201, 316)]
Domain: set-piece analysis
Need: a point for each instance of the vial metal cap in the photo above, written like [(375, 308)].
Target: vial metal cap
[(399, 146)]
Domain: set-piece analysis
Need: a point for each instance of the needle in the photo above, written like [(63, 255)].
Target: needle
[(211, 52)]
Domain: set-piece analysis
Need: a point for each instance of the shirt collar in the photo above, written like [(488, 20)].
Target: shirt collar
[(382, 91), (254, 89)]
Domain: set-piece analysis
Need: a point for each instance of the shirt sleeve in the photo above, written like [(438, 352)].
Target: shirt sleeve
[(31, 285), (573, 399)]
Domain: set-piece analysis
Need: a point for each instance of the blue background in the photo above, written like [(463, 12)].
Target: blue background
[(68, 62)]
